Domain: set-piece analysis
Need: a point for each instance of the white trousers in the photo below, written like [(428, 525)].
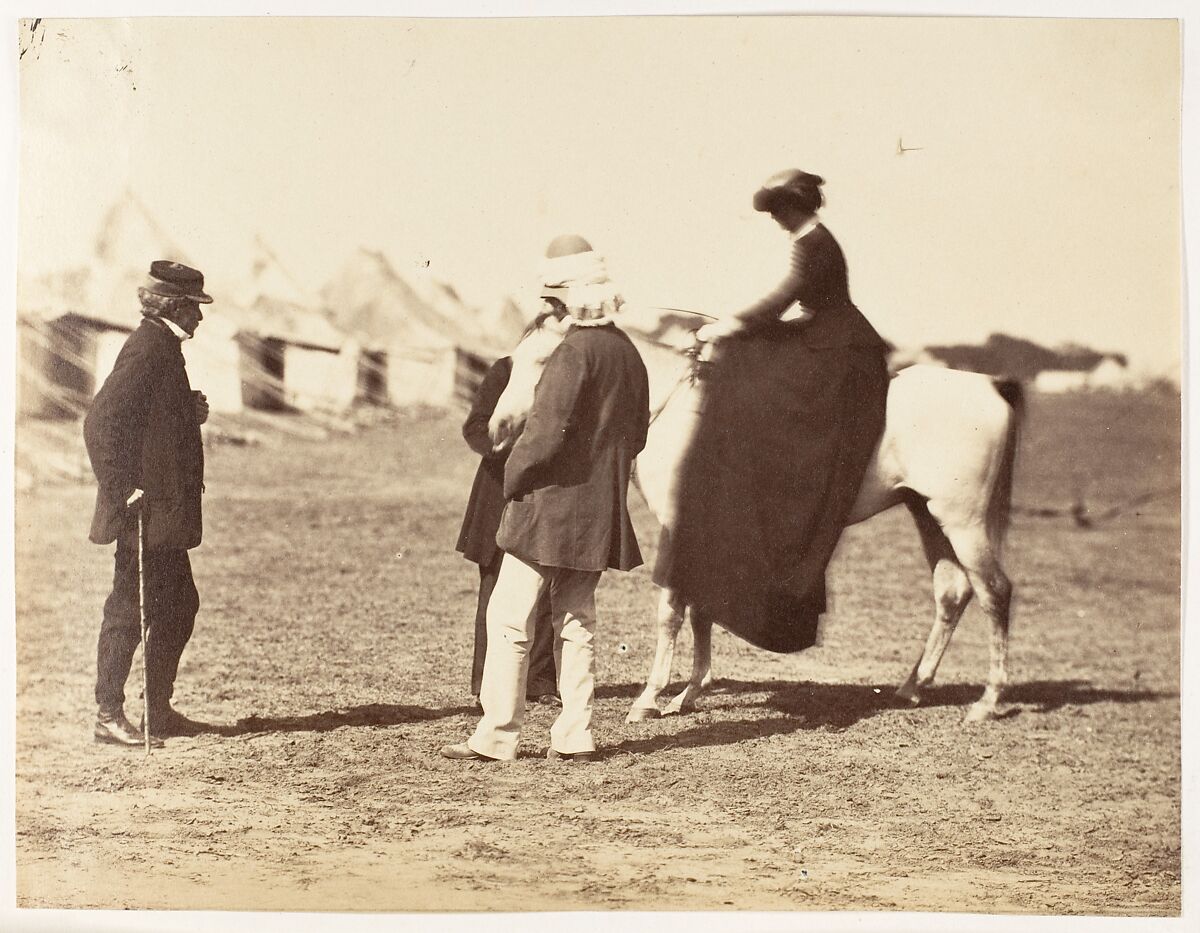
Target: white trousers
[(510, 624)]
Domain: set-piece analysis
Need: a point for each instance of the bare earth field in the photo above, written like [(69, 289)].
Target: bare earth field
[(333, 650)]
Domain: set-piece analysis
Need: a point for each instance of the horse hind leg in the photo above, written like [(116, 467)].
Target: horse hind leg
[(669, 622), (994, 589), (701, 667), (952, 592)]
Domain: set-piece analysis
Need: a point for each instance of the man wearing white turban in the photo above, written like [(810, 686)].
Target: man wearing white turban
[(566, 520)]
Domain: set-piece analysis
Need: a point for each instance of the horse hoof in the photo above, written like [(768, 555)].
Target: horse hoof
[(908, 697), (643, 714), (978, 713)]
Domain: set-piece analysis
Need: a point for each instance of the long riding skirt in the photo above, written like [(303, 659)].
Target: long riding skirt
[(781, 446)]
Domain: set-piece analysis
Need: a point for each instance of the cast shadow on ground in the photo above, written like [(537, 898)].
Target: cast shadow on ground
[(841, 705), (834, 707), (367, 715)]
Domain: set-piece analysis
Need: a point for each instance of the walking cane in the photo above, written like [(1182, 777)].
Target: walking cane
[(142, 616)]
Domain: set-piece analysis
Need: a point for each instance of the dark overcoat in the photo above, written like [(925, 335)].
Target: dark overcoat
[(568, 474), (141, 433), (791, 416), (477, 539)]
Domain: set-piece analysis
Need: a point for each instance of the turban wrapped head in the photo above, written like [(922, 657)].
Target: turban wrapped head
[(577, 276)]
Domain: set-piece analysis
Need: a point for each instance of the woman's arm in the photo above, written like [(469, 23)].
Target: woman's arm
[(782, 297)]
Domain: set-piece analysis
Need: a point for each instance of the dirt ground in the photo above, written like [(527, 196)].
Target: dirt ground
[(332, 650)]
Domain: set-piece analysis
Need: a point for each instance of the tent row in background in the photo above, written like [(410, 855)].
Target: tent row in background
[(370, 337)]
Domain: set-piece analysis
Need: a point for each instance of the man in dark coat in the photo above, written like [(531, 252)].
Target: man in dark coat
[(143, 439), (567, 519), (477, 541)]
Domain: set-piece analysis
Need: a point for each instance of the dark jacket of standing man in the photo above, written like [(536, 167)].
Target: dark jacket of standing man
[(568, 475), (143, 439)]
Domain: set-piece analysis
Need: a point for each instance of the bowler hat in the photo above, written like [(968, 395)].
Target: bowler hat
[(175, 280)]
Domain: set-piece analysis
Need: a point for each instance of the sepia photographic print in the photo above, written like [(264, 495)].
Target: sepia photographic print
[(482, 469)]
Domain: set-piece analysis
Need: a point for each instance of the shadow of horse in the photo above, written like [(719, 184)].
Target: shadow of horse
[(369, 715), (803, 705), (836, 707)]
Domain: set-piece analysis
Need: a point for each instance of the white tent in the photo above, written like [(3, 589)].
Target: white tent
[(66, 349), (433, 348), (292, 355), (320, 380)]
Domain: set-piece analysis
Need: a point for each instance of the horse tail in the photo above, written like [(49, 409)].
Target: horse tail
[(999, 509)]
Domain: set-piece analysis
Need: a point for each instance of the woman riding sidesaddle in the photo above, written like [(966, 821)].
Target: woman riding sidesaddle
[(793, 408)]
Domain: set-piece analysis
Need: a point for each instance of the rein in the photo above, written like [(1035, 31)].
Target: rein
[(690, 376), (686, 377)]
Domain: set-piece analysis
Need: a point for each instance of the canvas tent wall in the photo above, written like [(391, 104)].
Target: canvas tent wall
[(433, 375), (318, 379), (62, 361), (294, 358)]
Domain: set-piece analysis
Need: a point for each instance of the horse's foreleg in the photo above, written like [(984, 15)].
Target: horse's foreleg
[(670, 620), (951, 593), (701, 667)]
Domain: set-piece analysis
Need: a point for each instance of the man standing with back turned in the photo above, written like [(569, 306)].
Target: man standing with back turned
[(566, 520), (143, 438)]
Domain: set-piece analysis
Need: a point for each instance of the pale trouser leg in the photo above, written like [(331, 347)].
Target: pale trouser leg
[(573, 609), (510, 624)]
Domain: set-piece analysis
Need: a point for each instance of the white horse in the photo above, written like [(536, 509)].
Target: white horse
[(947, 452)]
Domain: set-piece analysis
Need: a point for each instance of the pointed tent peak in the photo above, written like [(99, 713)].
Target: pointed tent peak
[(369, 261), (130, 235), (369, 297), (269, 277), (505, 321)]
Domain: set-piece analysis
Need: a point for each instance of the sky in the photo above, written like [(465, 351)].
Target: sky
[(1038, 193)]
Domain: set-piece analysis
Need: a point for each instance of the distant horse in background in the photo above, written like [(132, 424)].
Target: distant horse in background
[(947, 452)]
